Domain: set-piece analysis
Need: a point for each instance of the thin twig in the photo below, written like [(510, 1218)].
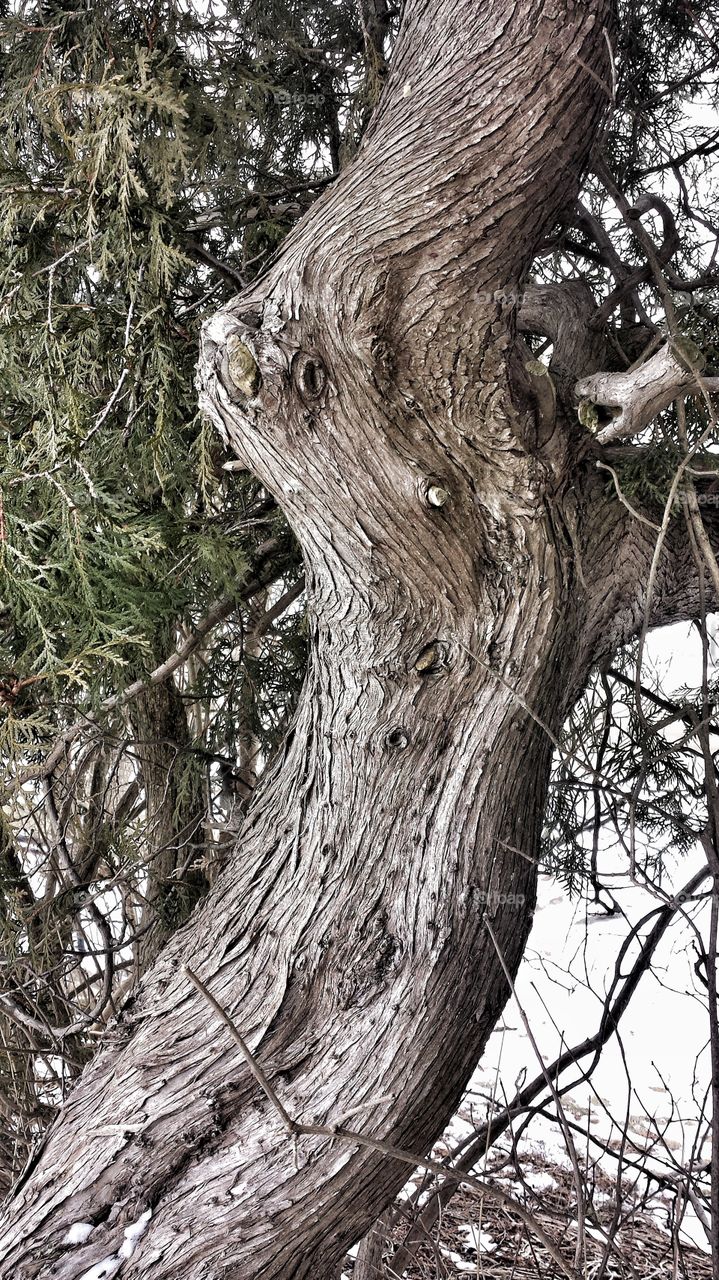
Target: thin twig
[(297, 1128), (290, 1124), (568, 1139)]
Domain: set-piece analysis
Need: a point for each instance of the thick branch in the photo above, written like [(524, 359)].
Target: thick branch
[(563, 313), (637, 397), (483, 97)]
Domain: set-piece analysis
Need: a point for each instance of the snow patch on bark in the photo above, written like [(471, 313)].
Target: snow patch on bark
[(110, 1266), (78, 1233), (103, 1270), (133, 1233)]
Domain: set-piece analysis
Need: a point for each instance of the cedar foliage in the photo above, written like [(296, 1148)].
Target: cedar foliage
[(152, 158)]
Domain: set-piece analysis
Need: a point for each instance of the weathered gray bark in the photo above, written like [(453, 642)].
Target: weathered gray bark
[(346, 938)]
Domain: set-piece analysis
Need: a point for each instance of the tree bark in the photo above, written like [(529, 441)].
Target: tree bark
[(175, 813), (466, 567)]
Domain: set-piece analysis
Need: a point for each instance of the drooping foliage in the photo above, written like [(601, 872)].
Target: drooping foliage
[(152, 161)]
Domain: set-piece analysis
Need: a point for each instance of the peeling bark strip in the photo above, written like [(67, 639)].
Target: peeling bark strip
[(465, 569)]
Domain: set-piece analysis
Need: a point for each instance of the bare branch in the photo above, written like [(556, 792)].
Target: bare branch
[(636, 397), (616, 1002), (563, 312)]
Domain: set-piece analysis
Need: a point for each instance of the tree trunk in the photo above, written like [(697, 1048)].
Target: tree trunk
[(466, 567), (175, 813)]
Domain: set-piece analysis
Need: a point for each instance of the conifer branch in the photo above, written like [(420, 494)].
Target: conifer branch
[(220, 611)]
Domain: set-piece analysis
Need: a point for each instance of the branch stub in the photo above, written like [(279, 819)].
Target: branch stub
[(240, 367), (309, 376), (437, 495), (432, 659)]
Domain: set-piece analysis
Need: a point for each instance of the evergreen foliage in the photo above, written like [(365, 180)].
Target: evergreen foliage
[(152, 158), (138, 146)]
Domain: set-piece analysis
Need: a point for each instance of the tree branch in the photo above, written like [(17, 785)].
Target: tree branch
[(563, 313), (218, 613), (636, 397)]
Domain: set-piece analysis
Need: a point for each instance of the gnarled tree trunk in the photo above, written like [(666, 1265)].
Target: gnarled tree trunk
[(466, 567)]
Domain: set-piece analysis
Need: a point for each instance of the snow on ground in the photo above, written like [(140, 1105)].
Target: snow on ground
[(656, 1088), (651, 1084), (652, 1081)]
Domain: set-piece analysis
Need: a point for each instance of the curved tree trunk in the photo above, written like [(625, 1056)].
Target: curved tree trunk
[(466, 568)]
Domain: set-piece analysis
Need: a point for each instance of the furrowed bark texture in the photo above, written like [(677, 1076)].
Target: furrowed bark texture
[(172, 783), (466, 566)]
